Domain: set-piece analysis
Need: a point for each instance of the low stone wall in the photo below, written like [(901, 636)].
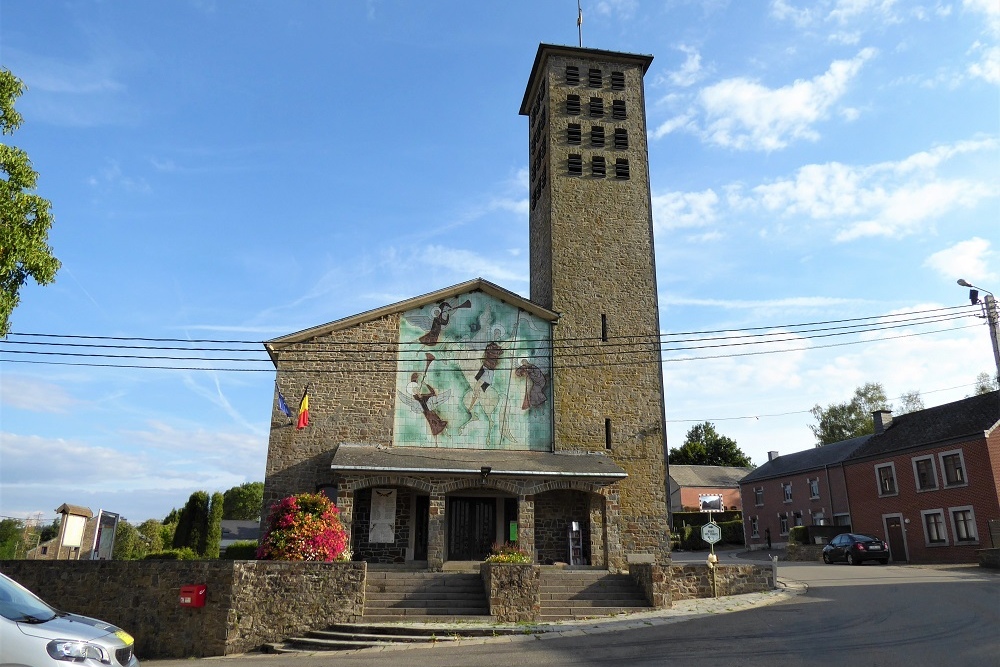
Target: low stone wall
[(694, 581), (513, 590), (248, 603), (803, 552), (654, 581), (989, 557)]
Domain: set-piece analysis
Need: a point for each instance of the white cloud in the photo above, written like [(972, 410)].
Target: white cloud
[(743, 114), (987, 65), (471, 265), (690, 71), (846, 11), (967, 259), (990, 9), (674, 210), (26, 393)]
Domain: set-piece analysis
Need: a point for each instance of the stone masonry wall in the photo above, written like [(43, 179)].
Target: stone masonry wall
[(553, 513), (513, 590), (654, 580), (690, 582), (248, 603)]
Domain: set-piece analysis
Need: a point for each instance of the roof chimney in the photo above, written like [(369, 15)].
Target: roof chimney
[(882, 420), (772, 455)]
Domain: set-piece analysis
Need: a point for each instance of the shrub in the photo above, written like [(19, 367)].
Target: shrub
[(732, 532), (241, 550), (184, 553), (303, 527), (508, 552), (798, 535), (691, 539)]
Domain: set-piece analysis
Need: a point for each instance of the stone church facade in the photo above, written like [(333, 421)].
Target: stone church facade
[(471, 415)]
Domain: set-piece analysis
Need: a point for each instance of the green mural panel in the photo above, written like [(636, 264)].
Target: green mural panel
[(474, 373)]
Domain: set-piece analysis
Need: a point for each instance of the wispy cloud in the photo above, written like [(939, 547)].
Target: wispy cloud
[(27, 393), (971, 260), (674, 210), (743, 114)]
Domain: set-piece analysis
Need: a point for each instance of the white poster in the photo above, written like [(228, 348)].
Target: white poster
[(383, 519)]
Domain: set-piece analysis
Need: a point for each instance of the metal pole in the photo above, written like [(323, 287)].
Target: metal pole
[(990, 306)]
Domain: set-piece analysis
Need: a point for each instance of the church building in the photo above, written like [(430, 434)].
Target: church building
[(470, 416)]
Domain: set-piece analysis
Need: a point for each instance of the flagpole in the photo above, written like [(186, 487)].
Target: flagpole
[(579, 21)]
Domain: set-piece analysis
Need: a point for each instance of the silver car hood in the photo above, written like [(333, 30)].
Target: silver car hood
[(71, 626)]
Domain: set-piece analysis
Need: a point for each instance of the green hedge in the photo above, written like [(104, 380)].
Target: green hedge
[(185, 553), (799, 535), (242, 550)]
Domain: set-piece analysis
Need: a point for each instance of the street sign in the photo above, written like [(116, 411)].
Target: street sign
[(711, 532)]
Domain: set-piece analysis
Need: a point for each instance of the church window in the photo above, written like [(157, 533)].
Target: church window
[(621, 139), (607, 434), (596, 106), (621, 169), (573, 134), (573, 105), (575, 164), (617, 81), (597, 167), (618, 110), (594, 78), (572, 75), (597, 136)]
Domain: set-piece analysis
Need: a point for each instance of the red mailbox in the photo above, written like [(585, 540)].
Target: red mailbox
[(193, 595)]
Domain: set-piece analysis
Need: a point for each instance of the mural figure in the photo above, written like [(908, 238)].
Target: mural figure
[(425, 402), (480, 373), (434, 325), (534, 384)]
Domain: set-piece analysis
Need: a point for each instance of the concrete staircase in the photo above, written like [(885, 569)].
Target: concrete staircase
[(568, 594), (434, 597)]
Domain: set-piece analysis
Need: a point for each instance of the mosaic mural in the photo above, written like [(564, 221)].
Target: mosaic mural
[(473, 373)]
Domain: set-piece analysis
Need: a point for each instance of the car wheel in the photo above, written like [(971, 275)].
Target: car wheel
[(852, 560), (826, 558)]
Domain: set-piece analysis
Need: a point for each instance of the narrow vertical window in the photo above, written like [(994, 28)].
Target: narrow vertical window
[(607, 434), (604, 327)]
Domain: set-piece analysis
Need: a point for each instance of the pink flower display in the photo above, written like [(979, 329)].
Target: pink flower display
[(303, 527)]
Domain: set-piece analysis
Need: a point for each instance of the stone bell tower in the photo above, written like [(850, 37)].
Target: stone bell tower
[(592, 261)]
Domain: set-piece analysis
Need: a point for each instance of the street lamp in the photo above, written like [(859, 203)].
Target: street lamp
[(989, 305)]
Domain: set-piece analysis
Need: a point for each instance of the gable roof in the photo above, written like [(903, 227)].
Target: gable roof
[(708, 476), (969, 418), (475, 285), (78, 510), (806, 460)]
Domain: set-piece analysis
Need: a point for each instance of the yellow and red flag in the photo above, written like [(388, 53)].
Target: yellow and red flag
[(303, 412)]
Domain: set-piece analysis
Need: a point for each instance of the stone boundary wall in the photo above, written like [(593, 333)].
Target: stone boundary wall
[(694, 581), (803, 552), (248, 603), (654, 581), (513, 589)]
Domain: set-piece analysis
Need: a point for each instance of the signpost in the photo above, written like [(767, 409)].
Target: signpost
[(711, 533)]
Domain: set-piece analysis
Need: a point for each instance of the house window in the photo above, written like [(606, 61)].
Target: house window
[(572, 75), (819, 519), (783, 523), (597, 167), (934, 533), (798, 518), (618, 110), (594, 79), (786, 490), (617, 81), (754, 527), (575, 165), (45, 550), (963, 522), (621, 169), (814, 488), (573, 105), (953, 466), (924, 473), (886, 475), (596, 107), (758, 496), (621, 139), (597, 136), (574, 134)]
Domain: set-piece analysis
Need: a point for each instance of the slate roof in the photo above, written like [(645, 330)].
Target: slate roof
[(440, 460), (951, 422), (708, 476), (806, 460)]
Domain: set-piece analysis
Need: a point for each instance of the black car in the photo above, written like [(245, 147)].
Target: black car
[(855, 548)]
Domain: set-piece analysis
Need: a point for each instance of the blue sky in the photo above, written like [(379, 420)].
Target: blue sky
[(240, 171)]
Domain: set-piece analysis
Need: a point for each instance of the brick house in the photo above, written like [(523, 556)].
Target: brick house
[(800, 489), (689, 483), (927, 482), (472, 415)]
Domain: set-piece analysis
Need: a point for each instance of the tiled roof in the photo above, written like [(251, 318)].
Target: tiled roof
[(806, 460), (708, 476), (969, 418), (440, 460)]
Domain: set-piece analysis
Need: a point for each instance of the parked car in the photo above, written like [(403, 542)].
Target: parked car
[(855, 548), (33, 633)]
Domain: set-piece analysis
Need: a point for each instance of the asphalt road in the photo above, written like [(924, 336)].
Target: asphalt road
[(884, 615)]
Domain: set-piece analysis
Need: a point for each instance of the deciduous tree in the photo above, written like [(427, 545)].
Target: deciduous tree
[(243, 502), (704, 446), (843, 421), (26, 217)]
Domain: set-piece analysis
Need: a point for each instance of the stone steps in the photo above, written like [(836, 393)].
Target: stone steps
[(574, 594), (417, 595)]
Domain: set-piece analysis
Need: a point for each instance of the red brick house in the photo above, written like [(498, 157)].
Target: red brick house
[(689, 483), (801, 489), (928, 482)]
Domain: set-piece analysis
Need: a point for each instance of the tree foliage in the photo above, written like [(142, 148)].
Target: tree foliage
[(244, 502), (11, 531), (213, 535), (192, 524), (843, 421), (26, 217), (985, 383), (704, 446)]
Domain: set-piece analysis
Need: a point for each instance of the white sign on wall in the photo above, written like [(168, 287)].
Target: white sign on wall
[(383, 519)]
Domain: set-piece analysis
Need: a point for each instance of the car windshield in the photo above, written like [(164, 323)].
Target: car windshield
[(866, 538), (17, 603)]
